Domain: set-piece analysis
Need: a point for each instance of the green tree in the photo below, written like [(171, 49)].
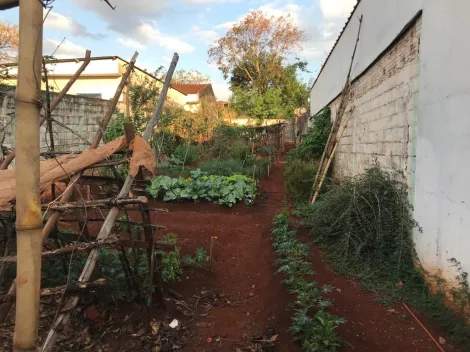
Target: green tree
[(284, 94)]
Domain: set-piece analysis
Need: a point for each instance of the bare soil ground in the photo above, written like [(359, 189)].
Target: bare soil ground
[(238, 300)]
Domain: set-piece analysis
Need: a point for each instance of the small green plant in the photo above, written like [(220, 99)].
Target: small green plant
[(312, 325), (170, 261), (171, 266), (199, 258), (298, 178), (187, 153), (221, 189), (239, 150), (315, 140)]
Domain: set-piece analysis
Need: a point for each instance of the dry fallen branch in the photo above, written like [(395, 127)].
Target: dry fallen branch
[(72, 288), (98, 203), (80, 247)]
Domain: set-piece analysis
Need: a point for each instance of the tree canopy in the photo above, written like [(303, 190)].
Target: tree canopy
[(256, 54), (184, 76), (8, 41)]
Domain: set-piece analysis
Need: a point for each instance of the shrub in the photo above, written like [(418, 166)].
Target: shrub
[(165, 143), (299, 177), (239, 150), (187, 153), (365, 227), (315, 140), (368, 219)]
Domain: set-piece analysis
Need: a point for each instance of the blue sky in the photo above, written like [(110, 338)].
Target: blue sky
[(158, 28)]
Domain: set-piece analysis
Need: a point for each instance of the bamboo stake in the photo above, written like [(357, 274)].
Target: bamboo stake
[(113, 213), (330, 158), (330, 144), (51, 223), (28, 201), (9, 158)]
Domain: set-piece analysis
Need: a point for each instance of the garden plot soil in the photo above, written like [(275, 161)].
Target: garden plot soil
[(240, 298)]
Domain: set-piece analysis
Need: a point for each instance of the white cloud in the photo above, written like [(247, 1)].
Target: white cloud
[(221, 91), (131, 43), (207, 36), (66, 49), (203, 2), (152, 34), (226, 25), (128, 15), (57, 21), (337, 8)]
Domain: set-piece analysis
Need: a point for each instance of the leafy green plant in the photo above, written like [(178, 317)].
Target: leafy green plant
[(170, 262), (171, 266), (314, 327), (187, 153), (299, 176), (314, 142), (240, 150), (221, 189), (199, 258)]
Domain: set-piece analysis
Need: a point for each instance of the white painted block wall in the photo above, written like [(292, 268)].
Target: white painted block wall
[(385, 112)]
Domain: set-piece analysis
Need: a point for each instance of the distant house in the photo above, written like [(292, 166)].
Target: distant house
[(99, 80), (196, 95)]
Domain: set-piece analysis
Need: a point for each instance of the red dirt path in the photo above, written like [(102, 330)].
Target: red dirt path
[(243, 275)]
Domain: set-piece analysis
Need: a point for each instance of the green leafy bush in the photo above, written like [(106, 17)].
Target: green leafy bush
[(221, 189), (315, 140), (187, 153), (365, 227), (298, 178), (314, 327), (240, 150), (366, 223), (164, 143)]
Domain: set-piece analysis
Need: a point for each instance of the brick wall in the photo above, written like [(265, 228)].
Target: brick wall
[(385, 100), (81, 115)]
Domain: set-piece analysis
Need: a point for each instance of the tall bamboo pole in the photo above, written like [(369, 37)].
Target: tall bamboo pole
[(28, 201)]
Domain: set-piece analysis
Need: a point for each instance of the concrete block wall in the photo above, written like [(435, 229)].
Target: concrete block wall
[(385, 107), (80, 114)]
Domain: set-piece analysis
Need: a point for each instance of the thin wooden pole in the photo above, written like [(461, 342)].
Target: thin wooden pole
[(9, 158), (331, 143), (28, 201), (113, 213)]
